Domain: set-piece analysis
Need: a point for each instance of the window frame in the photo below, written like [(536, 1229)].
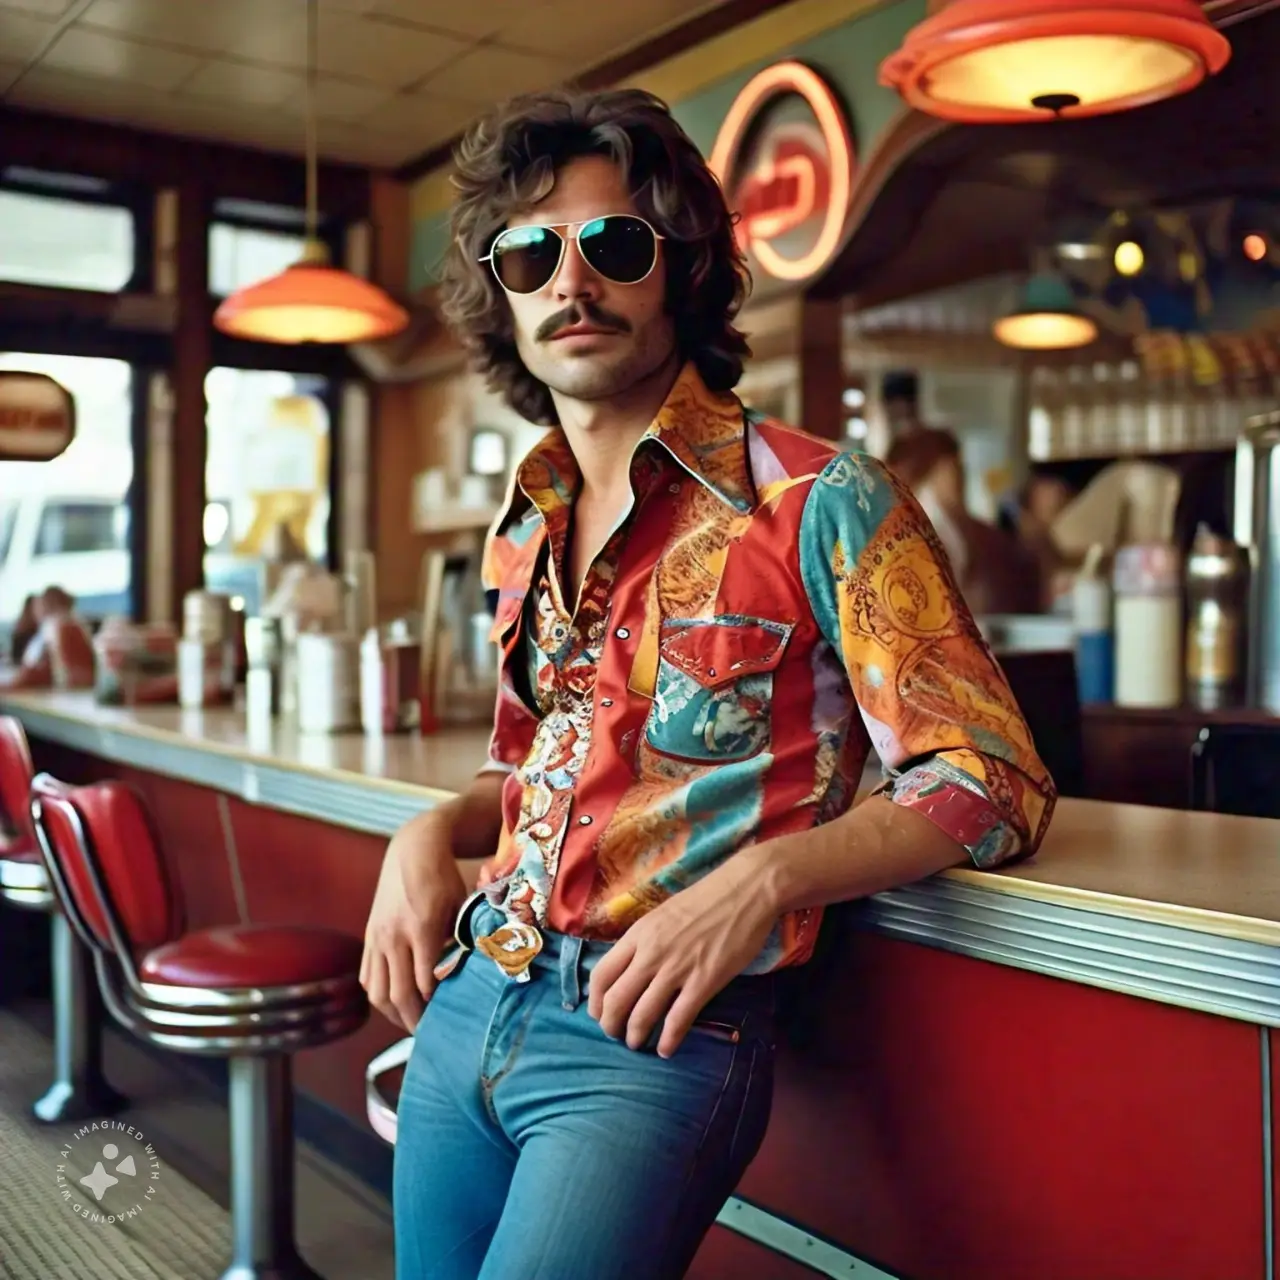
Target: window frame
[(136, 200)]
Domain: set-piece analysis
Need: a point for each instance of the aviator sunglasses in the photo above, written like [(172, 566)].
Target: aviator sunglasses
[(620, 247)]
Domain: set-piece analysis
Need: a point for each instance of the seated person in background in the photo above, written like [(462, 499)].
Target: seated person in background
[(995, 573), (1029, 518), (60, 654), (24, 631)]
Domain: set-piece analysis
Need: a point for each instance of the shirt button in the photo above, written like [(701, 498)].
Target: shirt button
[(673, 488), (585, 820), (622, 633)]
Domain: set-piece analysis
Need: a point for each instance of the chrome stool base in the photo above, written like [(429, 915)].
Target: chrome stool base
[(294, 1269), (79, 1090), (260, 1111), (88, 1099)]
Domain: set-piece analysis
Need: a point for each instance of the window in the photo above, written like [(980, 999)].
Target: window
[(266, 475), (71, 527), (66, 522), (240, 256), (65, 243)]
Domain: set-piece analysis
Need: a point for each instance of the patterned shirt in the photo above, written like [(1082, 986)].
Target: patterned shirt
[(767, 611)]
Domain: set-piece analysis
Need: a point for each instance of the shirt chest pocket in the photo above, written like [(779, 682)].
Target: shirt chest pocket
[(714, 687)]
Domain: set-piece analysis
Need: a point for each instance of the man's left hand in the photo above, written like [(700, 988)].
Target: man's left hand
[(675, 958)]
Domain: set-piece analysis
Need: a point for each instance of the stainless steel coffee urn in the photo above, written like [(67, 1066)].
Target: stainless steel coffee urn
[(1257, 529)]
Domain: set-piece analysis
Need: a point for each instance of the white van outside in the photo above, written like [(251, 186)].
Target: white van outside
[(66, 526)]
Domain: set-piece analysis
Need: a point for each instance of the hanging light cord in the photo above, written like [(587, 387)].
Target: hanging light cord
[(313, 61)]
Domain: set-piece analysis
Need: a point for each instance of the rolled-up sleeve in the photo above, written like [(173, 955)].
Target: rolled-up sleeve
[(935, 703)]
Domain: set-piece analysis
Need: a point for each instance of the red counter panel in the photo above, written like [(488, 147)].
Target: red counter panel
[(957, 1120)]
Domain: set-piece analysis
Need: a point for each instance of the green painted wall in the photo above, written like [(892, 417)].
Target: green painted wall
[(849, 56)]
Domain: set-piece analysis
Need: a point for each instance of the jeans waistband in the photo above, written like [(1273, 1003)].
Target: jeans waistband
[(571, 959)]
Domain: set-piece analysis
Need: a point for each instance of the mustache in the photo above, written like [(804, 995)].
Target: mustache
[(575, 314)]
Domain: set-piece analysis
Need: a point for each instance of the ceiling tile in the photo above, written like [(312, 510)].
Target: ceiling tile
[(473, 77), (95, 53), (348, 100), (421, 117), (43, 8), (22, 36), (588, 32), (482, 18), (194, 24), (238, 82), (388, 54), (86, 96)]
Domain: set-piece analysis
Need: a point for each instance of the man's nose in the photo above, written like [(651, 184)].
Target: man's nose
[(575, 279)]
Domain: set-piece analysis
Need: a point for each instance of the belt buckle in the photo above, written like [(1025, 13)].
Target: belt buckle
[(512, 947)]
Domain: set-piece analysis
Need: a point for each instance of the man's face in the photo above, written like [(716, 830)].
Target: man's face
[(583, 335)]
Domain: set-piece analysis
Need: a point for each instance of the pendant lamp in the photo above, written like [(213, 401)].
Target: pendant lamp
[(311, 301), (1046, 319), (1011, 61)]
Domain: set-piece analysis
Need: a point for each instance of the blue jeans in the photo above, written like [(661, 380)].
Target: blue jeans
[(531, 1146)]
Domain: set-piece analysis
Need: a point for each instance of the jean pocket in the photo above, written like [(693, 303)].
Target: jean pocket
[(714, 687)]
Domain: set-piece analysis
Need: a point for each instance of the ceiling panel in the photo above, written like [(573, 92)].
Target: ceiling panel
[(477, 20), (241, 82), (23, 36), (590, 32), (43, 8), (397, 77), (473, 76), (94, 53)]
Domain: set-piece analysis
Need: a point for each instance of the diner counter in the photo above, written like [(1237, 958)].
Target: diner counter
[(364, 783), (1178, 906)]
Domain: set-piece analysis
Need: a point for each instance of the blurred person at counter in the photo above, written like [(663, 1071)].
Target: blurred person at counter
[(706, 619), (900, 402), (1029, 515), (59, 653), (996, 573)]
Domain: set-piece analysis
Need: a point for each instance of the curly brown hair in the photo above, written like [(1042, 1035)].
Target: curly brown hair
[(509, 159)]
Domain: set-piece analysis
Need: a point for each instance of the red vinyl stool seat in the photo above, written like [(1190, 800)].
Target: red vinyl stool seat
[(252, 956), (253, 994), (24, 881), (79, 1090)]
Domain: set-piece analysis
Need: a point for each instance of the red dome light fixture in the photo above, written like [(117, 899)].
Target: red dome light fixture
[(311, 301), (1014, 61)]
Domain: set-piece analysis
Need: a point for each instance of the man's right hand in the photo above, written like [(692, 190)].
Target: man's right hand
[(414, 908)]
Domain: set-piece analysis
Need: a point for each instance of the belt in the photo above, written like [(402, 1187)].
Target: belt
[(512, 946)]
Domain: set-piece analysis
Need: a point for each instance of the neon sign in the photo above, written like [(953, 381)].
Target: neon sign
[(801, 172)]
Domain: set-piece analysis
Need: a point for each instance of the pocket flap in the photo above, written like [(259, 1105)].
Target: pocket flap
[(720, 650)]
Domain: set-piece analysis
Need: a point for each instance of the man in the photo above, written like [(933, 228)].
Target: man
[(705, 621)]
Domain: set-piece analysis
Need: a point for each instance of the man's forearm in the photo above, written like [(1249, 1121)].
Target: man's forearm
[(469, 823), (877, 845)]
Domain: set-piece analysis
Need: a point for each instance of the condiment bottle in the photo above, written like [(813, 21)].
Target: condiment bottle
[(1215, 621), (1148, 624)]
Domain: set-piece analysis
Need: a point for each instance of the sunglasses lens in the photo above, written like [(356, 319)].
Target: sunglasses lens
[(525, 258), (621, 248)]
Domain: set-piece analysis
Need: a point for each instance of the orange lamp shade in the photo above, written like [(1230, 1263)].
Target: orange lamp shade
[(1011, 61), (310, 302)]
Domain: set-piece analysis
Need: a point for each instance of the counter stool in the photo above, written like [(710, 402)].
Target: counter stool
[(253, 994), (79, 1090)]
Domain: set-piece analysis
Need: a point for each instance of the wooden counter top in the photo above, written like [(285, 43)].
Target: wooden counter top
[(1216, 873), (1209, 872)]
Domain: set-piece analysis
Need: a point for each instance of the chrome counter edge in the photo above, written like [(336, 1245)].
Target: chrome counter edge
[(376, 811), (1184, 967)]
